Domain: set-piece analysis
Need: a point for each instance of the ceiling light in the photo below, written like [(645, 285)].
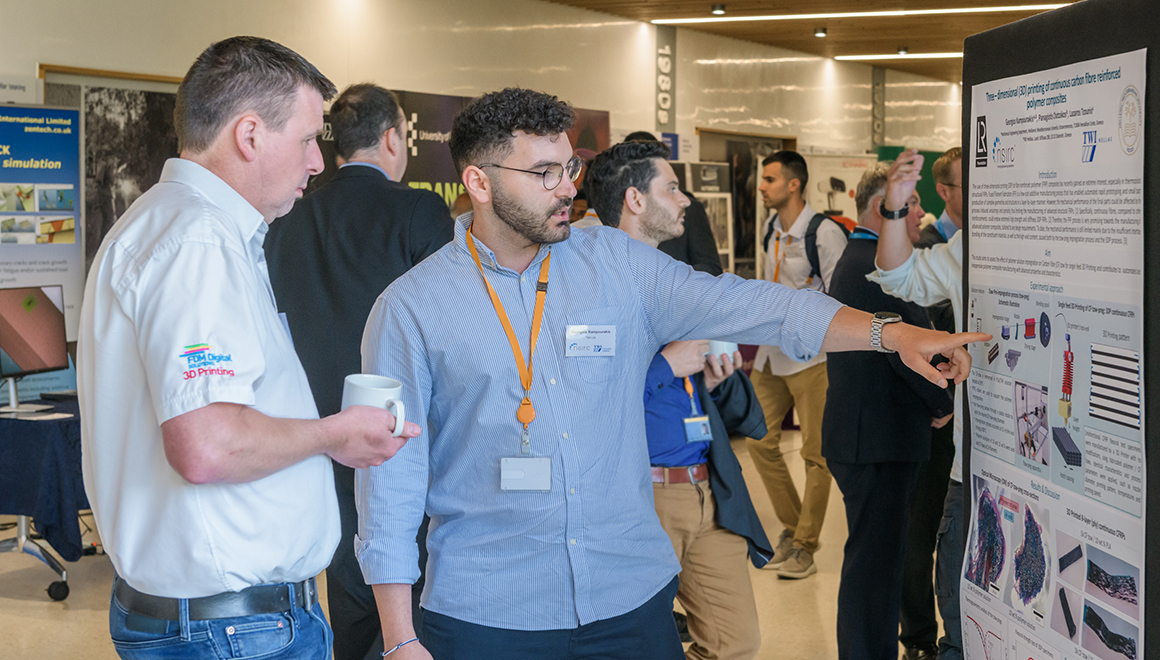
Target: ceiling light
[(858, 14), (718, 9), (891, 56), (819, 32), (902, 50)]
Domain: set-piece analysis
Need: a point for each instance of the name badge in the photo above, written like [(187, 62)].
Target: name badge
[(697, 429), (590, 341), (525, 473)]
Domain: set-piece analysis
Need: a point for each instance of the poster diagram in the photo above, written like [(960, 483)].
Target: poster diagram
[(1056, 541)]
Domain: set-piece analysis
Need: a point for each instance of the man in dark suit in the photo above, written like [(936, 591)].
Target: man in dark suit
[(875, 437), (919, 625), (329, 259)]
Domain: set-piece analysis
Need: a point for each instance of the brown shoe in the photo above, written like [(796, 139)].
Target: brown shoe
[(799, 565), (782, 551)]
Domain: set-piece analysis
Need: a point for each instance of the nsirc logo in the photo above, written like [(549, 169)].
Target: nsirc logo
[(597, 348), (1003, 156)]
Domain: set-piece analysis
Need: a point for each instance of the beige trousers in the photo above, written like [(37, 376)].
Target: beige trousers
[(715, 588), (806, 391)]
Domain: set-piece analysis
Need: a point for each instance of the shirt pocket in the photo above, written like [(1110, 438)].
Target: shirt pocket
[(594, 369)]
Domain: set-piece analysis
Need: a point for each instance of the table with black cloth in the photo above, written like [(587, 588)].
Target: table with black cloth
[(40, 475)]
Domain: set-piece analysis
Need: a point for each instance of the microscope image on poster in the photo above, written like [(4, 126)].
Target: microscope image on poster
[(986, 559), (1029, 588), (1112, 581), (1031, 429)]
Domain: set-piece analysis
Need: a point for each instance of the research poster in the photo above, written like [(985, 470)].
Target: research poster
[(1054, 564), (40, 202)]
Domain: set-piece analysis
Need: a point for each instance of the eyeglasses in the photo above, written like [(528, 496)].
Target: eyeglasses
[(553, 175)]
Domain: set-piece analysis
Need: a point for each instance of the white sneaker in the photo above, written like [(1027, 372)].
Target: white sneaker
[(781, 552)]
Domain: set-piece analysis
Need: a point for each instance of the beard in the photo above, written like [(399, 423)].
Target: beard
[(660, 225), (533, 224)]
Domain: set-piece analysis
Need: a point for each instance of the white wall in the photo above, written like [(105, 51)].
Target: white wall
[(466, 47)]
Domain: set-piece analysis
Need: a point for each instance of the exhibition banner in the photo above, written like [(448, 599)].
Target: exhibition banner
[(1054, 564), (39, 203)]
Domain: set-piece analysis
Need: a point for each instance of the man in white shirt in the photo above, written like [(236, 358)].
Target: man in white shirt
[(204, 459), (781, 382)]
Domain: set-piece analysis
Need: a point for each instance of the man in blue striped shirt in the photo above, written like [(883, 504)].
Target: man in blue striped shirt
[(543, 541)]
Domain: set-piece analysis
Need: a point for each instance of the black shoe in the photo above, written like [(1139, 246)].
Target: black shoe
[(682, 626), (920, 653)]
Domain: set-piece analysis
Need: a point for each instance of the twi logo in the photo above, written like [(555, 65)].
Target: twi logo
[(1003, 156), (1089, 146), (981, 141)]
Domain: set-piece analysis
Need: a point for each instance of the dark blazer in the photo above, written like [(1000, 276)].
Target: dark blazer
[(737, 411), (877, 409), (334, 253), (696, 246)]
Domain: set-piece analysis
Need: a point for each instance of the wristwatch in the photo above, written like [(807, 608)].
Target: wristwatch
[(881, 319), (892, 215)]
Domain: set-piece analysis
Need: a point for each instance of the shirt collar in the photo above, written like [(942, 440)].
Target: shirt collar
[(798, 230), (486, 256), (364, 164), (946, 226), (247, 219)]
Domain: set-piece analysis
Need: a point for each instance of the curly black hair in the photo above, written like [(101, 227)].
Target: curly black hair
[(615, 170), (484, 130)]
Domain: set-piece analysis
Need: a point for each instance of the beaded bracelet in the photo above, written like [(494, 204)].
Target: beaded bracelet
[(399, 646)]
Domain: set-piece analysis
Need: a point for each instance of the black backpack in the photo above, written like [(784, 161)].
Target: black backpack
[(811, 241)]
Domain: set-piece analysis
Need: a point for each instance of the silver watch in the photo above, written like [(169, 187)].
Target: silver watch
[(881, 319)]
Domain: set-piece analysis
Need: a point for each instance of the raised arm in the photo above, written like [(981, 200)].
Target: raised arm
[(894, 246)]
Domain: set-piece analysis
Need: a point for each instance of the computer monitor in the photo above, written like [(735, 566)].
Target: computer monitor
[(32, 337)]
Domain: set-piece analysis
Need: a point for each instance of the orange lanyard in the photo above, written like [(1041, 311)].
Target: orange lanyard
[(777, 258), (526, 412), (692, 402)]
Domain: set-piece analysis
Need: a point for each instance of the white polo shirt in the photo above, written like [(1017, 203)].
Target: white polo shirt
[(178, 313), (786, 263)]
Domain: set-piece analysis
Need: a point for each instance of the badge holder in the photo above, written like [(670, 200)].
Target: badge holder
[(525, 472), (697, 428)]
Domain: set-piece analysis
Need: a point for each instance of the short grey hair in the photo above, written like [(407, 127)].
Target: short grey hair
[(239, 74), (872, 184)]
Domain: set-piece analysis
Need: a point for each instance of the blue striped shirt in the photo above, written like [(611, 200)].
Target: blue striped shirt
[(592, 547)]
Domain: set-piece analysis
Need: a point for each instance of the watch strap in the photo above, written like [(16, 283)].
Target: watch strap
[(893, 215)]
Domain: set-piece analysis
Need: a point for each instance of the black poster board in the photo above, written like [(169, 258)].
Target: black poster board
[(1077, 33)]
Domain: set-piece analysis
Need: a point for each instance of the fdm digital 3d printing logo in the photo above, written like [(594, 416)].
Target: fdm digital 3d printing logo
[(201, 361)]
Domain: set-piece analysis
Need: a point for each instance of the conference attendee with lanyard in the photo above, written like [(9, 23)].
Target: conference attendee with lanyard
[(544, 542)]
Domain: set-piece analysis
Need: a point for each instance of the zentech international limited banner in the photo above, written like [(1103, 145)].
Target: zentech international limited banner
[(39, 203)]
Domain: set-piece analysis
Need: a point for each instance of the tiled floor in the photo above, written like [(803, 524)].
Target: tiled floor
[(797, 617)]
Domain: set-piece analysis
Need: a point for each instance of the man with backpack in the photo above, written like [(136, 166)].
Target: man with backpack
[(801, 249)]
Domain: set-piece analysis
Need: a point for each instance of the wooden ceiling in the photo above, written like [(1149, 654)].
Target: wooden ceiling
[(848, 36)]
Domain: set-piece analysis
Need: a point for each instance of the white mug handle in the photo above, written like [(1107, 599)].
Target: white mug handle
[(400, 416)]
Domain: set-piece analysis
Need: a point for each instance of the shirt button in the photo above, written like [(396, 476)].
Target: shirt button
[(573, 491), (572, 541), (553, 381), (565, 436)]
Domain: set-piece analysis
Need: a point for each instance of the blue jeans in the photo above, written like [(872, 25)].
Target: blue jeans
[(948, 571), (291, 635), (646, 633)]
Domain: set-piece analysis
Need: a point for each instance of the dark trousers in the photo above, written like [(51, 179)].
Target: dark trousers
[(877, 498), (917, 616), (646, 633), (354, 616), (948, 572)]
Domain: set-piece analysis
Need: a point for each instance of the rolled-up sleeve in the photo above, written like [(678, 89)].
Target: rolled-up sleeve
[(391, 497), (681, 303), (929, 276)]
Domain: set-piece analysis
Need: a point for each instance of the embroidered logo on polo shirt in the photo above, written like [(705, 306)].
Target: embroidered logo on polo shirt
[(202, 361)]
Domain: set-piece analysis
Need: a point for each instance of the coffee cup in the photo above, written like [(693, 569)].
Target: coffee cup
[(377, 392), (717, 348)]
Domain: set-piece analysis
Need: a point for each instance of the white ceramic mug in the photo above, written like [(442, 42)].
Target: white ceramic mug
[(375, 391), (717, 347)]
